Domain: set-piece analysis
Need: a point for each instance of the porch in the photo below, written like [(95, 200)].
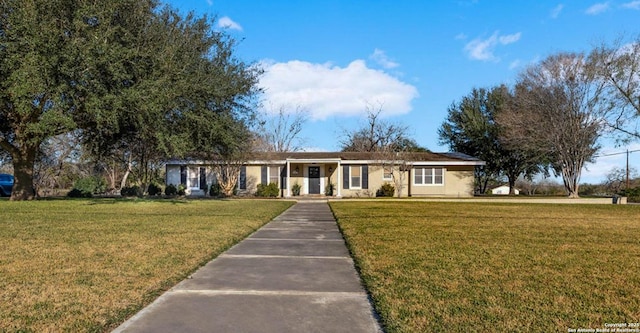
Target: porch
[(312, 178)]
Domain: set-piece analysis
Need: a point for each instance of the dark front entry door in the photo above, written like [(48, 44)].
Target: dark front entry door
[(314, 180)]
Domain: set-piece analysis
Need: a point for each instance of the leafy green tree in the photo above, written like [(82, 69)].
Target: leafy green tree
[(471, 128), (131, 77)]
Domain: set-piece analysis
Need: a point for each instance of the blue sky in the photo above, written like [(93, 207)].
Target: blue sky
[(412, 58)]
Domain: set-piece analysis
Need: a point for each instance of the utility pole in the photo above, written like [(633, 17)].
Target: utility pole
[(627, 188)]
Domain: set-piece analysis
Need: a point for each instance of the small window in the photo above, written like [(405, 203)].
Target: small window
[(355, 176), (417, 176), (274, 174), (428, 176), (387, 173), (194, 177)]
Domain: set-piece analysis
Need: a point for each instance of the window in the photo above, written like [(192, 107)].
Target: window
[(355, 176), (387, 173), (428, 176), (274, 175), (194, 177)]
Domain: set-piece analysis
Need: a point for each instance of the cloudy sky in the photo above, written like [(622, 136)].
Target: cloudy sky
[(413, 58)]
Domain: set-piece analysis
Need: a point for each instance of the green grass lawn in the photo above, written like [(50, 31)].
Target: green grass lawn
[(488, 267), (86, 265)]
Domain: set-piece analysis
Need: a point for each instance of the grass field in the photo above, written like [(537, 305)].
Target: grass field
[(86, 265), (478, 267)]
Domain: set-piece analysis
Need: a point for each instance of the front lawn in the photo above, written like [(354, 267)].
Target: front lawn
[(86, 265), (488, 267)]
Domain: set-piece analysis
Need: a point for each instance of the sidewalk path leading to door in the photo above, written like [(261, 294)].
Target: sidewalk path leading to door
[(292, 275)]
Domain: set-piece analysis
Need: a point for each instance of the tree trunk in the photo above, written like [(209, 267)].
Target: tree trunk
[(123, 182), (512, 184), (23, 164)]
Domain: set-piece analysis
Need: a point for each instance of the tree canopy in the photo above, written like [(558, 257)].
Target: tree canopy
[(558, 113), (128, 75), (471, 128)]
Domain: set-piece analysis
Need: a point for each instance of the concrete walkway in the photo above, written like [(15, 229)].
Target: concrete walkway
[(293, 275)]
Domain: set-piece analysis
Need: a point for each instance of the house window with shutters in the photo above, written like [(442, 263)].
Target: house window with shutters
[(355, 175), (193, 180)]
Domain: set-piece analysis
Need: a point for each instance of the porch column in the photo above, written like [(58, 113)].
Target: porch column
[(339, 179), (287, 178)]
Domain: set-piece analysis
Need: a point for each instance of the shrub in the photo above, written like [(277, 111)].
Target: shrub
[(154, 189), (328, 190), (182, 190), (269, 191), (386, 190), (215, 190), (131, 191), (295, 189), (170, 190), (89, 185), (77, 193), (632, 194)]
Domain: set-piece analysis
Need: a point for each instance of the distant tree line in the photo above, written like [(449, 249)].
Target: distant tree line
[(552, 118)]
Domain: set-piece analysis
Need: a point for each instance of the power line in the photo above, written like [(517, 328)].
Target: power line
[(618, 153)]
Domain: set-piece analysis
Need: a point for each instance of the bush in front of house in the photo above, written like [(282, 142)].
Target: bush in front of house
[(386, 190), (268, 191), (215, 190), (171, 190), (295, 189), (328, 190), (154, 189), (182, 190)]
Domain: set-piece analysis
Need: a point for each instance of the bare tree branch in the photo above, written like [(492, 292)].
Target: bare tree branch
[(558, 111), (281, 132)]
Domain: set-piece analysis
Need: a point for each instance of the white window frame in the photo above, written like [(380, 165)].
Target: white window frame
[(277, 176), (193, 173), (384, 172), (351, 168), (423, 173)]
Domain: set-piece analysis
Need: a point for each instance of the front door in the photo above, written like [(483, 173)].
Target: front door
[(314, 180)]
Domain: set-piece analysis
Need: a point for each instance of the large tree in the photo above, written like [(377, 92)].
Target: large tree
[(558, 113), (128, 75), (618, 65), (471, 128)]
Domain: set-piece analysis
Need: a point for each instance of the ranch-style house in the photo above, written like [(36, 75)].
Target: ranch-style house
[(348, 174)]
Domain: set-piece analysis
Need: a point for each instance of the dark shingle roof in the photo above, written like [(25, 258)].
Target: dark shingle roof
[(365, 156)]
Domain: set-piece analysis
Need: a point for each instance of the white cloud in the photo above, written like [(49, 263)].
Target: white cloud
[(515, 64), (555, 12), (482, 49), (460, 36), (598, 8), (210, 2), (227, 23), (381, 58), (326, 90), (509, 39), (632, 5)]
